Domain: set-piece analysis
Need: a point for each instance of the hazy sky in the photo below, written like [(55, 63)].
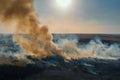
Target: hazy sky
[(80, 16), (83, 16)]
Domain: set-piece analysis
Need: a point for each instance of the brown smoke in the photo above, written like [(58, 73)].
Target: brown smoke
[(72, 51), (22, 12)]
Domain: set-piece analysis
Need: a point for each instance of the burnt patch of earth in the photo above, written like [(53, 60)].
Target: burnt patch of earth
[(56, 68)]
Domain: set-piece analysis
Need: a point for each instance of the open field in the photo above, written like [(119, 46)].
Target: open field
[(56, 67)]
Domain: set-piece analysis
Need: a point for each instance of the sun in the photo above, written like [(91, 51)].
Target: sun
[(63, 4)]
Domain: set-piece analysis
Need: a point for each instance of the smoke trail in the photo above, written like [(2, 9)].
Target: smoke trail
[(14, 59), (22, 12), (74, 49), (71, 50)]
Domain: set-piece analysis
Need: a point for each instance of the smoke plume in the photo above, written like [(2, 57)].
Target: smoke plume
[(39, 43), (22, 13)]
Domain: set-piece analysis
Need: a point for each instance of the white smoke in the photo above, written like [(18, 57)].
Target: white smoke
[(95, 48)]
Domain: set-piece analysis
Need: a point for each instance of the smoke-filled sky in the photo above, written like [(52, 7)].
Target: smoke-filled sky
[(78, 16)]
